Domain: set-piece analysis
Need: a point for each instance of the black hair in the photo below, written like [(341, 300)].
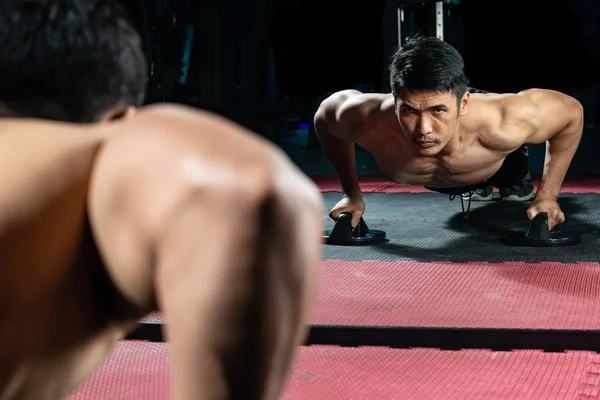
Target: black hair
[(428, 63), (69, 60)]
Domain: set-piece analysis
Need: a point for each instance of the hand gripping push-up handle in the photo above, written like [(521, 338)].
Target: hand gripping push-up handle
[(539, 235), (342, 233)]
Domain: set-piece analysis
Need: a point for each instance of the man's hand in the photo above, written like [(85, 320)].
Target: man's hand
[(547, 205), (355, 206)]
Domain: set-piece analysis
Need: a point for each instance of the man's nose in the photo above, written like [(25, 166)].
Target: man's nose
[(424, 126)]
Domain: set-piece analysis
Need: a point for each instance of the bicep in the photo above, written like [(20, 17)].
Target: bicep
[(545, 113)]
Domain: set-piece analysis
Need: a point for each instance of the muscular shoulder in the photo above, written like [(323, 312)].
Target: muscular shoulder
[(351, 107), (503, 121), (539, 109), (518, 111), (168, 149), (535, 115)]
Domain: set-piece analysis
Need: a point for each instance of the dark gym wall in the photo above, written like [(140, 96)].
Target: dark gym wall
[(511, 45), (229, 62), (228, 67), (325, 46)]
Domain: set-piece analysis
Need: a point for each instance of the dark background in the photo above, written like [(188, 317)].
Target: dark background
[(267, 64)]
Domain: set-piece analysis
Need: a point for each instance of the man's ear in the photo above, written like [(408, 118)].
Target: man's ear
[(119, 114), (464, 103)]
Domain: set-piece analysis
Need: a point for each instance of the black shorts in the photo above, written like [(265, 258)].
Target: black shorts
[(514, 168)]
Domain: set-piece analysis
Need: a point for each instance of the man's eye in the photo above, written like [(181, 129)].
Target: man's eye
[(439, 110)]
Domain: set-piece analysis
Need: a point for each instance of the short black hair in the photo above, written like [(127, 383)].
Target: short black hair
[(69, 60), (428, 63)]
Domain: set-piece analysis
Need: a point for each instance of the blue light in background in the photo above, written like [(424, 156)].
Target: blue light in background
[(187, 53)]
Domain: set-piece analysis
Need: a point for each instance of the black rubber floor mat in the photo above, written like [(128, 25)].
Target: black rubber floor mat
[(429, 227)]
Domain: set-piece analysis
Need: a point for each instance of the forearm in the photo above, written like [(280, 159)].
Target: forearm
[(205, 294), (560, 151), (342, 156), (237, 300)]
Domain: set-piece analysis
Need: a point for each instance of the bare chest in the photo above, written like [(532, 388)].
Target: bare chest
[(398, 159)]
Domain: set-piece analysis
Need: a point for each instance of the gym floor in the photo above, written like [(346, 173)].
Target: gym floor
[(441, 311)]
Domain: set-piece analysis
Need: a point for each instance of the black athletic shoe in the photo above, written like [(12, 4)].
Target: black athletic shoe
[(483, 194), (521, 191)]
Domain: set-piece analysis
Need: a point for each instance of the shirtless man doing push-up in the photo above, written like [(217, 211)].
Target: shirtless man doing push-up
[(115, 213), (431, 131)]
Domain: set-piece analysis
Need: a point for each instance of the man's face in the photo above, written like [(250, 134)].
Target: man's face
[(429, 119)]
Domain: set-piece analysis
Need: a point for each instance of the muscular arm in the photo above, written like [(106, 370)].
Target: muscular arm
[(338, 123), (556, 119), (196, 222)]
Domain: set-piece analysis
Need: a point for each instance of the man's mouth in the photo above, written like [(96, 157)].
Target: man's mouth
[(426, 144)]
